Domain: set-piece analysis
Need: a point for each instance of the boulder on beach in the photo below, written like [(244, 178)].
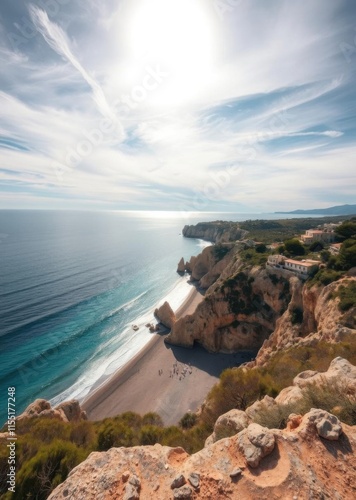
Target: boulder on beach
[(165, 315), (181, 266)]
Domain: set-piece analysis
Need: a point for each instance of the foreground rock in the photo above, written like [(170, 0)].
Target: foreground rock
[(341, 375), (69, 411), (165, 315), (294, 463)]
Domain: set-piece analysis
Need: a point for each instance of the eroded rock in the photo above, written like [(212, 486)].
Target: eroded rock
[(328, 426), (165, 315), (255, 442)]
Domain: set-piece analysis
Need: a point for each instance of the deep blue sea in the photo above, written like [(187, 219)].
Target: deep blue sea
[(71, 286)]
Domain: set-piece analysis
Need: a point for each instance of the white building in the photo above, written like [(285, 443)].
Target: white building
[(276, 260), (301, 267), (312, 235)]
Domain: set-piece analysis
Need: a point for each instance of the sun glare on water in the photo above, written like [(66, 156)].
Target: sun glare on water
[(179, 36)]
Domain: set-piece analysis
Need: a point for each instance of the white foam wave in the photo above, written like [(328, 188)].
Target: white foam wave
[(124, 346)]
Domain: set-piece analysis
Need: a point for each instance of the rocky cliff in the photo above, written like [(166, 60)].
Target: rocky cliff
[(240, 309), (260, 308), (216, 232), (312, 316), (312, 459), (341, 376), (165, 315)]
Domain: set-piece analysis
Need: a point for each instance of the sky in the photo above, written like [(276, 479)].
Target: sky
[(188, 105)]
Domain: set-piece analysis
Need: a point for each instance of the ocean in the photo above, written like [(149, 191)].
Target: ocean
[(73, 284)]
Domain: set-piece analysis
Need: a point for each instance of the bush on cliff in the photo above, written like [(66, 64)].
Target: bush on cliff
[(239, 388), (219, 251), (347, 296), (294, 247)]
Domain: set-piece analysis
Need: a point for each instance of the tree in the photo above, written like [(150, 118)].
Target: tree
[(347, 229), (325, 256), (316, 246), (188, 420), (347, 255), (294, 247), (261, 248)]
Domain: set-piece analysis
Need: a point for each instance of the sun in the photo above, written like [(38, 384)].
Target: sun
[(179, 36)]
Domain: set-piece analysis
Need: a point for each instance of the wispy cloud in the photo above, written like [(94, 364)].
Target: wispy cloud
[(272, 125), (58, 41)]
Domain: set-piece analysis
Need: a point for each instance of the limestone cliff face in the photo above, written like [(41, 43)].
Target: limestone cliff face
[(208, 265), (311, 459), (216, 232), (239, 311), (313, 315), (259, 308)]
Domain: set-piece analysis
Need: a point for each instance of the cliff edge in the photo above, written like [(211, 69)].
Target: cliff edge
[(314, 458)]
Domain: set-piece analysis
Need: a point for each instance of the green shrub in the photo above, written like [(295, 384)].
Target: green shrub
[(47, 469), (294, 247), (347, 295), (325, 277), (219, 251), (188, 420), (150, 434)]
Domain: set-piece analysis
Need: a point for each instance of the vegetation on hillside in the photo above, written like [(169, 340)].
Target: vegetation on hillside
[(239, 388), (269, 231), (47, 449)]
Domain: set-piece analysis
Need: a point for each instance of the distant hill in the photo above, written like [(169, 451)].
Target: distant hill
[(338, 210)]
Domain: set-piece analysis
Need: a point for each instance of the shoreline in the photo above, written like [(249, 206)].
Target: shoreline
[(119, 377), (147, 383)]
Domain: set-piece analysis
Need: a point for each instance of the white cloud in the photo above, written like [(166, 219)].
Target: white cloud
[(274, 108), (58, 41)]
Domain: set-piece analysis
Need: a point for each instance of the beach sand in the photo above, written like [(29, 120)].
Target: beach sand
[(139, 387)]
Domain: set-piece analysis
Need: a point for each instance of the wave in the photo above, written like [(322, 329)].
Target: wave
[(23, 329), (57, 347), (104, 366), (50, 282)]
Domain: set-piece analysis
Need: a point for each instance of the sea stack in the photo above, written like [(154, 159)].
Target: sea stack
[(165, 315), (181, 267)]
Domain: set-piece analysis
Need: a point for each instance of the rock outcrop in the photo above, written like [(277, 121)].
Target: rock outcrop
[(259, 308), (240, 310), (207, 267), (68, 411), (165, 315), (181, 266), (341, 376), (341, 373), (313, 459), (216, 232), (228, 424), (321, 319)]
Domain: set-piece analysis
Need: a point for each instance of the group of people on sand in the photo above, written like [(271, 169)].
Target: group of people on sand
[(180, 372)]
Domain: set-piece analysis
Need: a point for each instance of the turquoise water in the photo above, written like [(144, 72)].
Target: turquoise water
[(72, 285)]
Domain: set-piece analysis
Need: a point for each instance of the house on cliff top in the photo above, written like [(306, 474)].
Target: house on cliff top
[(312, 235), (302, 268)]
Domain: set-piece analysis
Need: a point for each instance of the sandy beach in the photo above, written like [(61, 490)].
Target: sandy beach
[(147, 382)]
